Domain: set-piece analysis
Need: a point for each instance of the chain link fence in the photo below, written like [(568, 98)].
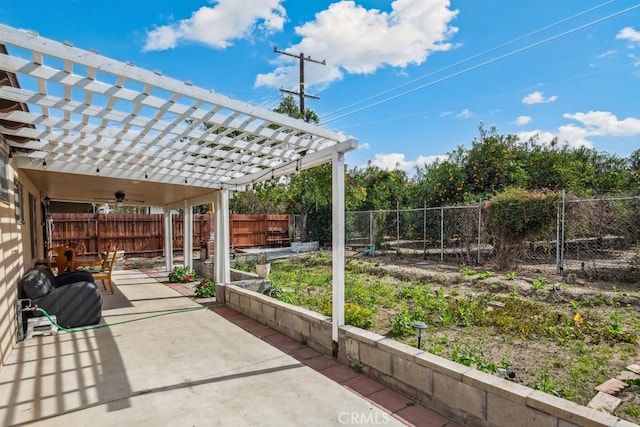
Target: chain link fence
[(599, 238), (449, 233)]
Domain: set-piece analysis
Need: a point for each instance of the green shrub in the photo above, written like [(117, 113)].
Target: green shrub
[(205, 289), (248, 266), (403, 321), (358, 316), (182, 275)]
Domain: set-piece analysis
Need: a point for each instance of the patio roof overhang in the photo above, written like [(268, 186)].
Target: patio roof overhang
[(84, 126)]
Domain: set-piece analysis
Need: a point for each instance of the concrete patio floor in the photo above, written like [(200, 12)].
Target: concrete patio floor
[(193, 366)]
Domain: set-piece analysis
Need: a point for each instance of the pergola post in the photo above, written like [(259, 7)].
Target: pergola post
[(222, 258), (337, 245), (168, 239), (187, 238)]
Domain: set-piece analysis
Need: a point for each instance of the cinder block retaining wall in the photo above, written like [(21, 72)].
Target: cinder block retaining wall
[(470, 397)]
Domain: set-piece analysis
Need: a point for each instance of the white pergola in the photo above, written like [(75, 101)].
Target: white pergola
[(83, 127)]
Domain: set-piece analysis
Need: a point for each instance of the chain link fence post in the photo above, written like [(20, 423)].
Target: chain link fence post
[(397, 228), (441, 234), (424, 230), (479, 230), (560, 240), (371, 241)]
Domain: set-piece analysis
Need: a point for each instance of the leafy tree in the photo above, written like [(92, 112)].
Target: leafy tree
[(384, 189), (310, 195), (289, 107), (545, 164), (495, 162), (442, 183), (268, 197), (491, 164)]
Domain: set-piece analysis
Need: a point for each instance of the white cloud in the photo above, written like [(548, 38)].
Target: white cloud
[(629, 34), (393, 161), (594, 123), (523, 120), (538, 98), (465, 114), (219, 25), (364, 146), (604, 123), (356, 40)]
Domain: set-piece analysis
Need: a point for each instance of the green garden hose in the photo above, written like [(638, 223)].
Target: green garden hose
[(104, 325)]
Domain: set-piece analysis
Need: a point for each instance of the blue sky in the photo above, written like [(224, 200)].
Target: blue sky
[(410, 79)]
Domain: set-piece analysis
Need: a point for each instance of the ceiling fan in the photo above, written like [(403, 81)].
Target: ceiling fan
[(120, 197)]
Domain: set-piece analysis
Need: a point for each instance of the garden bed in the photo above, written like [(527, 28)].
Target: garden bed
[(560, 339)]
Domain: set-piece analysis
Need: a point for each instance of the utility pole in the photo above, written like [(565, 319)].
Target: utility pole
[(300, 93)]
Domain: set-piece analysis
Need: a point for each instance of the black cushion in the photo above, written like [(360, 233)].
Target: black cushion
[(36, 283)]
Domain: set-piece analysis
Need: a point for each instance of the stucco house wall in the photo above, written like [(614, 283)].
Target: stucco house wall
[(16, 253)]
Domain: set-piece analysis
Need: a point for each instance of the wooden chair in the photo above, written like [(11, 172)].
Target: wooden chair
[(79, 248), (61, 258), (108, 265)]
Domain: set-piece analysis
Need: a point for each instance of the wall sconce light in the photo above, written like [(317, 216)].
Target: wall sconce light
[(419, 327)]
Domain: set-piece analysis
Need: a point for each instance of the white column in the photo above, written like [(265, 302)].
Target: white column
[(217, 206), (337, 246), (168, 240), (187, 240), (222, 263)]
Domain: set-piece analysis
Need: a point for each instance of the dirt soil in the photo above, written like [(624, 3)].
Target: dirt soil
[(529, 357)]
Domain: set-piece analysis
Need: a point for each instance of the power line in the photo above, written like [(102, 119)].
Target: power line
[(477, 66)]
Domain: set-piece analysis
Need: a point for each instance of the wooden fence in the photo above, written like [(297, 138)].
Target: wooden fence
[(259, 230), (143, 234)]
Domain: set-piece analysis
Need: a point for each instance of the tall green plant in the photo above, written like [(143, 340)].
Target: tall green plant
[(516, 215)]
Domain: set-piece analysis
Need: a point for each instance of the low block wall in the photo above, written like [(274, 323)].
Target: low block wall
[(305, 246), (469, 396), (298, 323)]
